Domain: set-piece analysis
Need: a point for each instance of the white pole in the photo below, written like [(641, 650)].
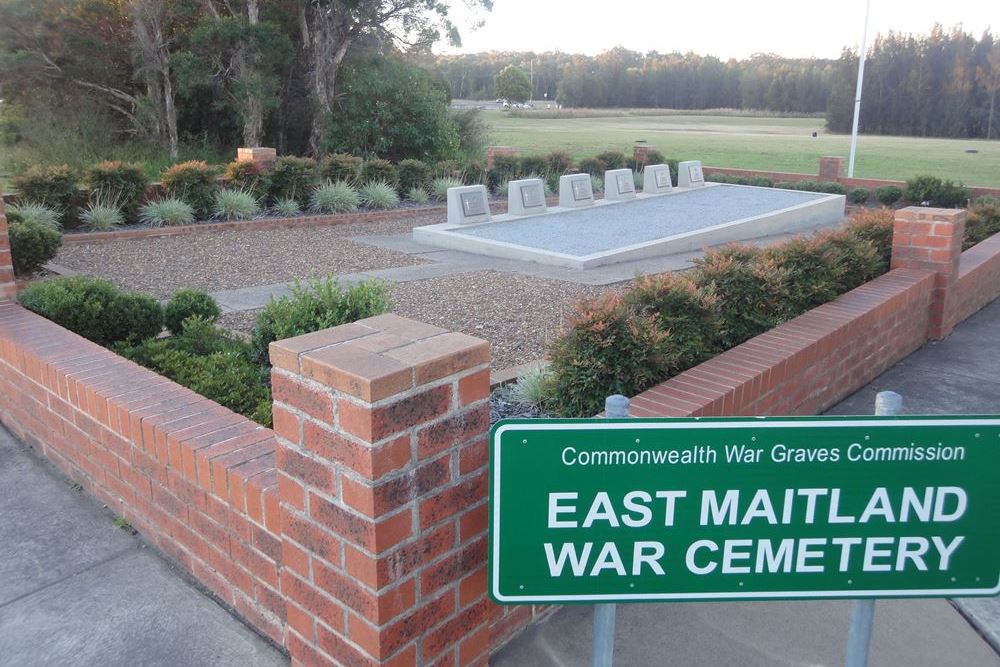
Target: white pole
[(857, 95)]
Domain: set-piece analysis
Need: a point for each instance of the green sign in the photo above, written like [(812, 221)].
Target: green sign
[(729, 509)]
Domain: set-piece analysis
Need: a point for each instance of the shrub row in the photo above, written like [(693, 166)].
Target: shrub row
[(662, 325), (198, 354)]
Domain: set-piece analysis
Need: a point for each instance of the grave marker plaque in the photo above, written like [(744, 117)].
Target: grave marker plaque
[(690, 174), (619, 184), (575, 191), (468, 204), (656, 180)]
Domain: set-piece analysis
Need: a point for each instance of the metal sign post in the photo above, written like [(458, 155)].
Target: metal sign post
[(615, 407), (859, 636)]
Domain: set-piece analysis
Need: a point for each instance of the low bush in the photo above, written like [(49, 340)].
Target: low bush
[(286, 208), (532, 164), (887, 195), (193, 182), (875, 226), (378, 195), (95, 309), (379, 170), (558, 162), (473, 173), (187, 303), (857, 260), (31, 246), (235, 205), (340, 167), (936, 192), (858, 195), (417, 195), (320, 305), (592, 166), (982, 222), (37, 214), (248, 177), (55, 187), (607, 348), (292, 178), (502, 189), (596, 184), (611, 159), (121, 182), (413, 174), (505, 167), (534, 388), (102, 216), (440, 187), (688, 313), (984, 200), (810, 274), (166, 213), (339, 197)]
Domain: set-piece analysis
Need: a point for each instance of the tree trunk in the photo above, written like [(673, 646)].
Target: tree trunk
[(253, 121), (329, 40), (147, 21)]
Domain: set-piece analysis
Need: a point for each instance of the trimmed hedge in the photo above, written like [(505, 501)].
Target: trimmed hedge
[(32, 245), (194, 183)]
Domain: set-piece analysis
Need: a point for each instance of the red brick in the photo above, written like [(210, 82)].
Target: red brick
[(305, 470), (310, 400), (453, 500), (374, 424), (475, 387), (453, 430)]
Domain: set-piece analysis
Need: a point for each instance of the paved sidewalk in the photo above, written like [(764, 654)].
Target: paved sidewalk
[(77, 590), (960, 375)]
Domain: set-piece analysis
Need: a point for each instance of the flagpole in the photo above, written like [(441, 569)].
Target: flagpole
[(857, 95)]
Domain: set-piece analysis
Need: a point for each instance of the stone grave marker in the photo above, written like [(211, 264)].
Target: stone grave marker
[(575, 191), (656, 180), (468, 204), (526, 197), (690, 175), (619, 184)]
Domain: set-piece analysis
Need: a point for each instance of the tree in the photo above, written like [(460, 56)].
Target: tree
[(330, 28), (512, 83)]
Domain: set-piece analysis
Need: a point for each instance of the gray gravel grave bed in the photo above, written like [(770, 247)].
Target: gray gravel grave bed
[(586, 231), (517, 314), (234, 259)]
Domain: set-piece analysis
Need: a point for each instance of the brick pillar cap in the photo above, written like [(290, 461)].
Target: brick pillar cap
[(929, 213), (379, 357)]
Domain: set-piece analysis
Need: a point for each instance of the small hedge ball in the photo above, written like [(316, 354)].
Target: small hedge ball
[(187, 303), (32, 245)]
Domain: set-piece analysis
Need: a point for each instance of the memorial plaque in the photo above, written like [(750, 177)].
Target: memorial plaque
[(625, 183), (662, 177), (532, 195), (473, 204), (582, 190), (695, 175)]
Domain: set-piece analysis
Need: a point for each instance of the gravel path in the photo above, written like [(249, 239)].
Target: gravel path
[(229, 260), (517, 314)]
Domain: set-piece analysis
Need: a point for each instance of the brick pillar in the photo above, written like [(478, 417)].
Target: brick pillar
[(640, 153), (262, 157), (931, 238), (7, 287), (382, 472), (831, 168), (492, 152)]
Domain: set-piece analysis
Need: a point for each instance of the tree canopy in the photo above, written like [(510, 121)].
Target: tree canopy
[(512, 83)]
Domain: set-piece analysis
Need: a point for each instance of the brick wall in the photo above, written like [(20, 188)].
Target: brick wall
[(978, 277)]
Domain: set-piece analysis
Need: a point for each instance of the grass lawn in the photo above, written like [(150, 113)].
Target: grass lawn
[(774, 144)]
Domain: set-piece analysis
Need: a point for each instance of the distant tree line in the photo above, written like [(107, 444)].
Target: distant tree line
[(940, 84)]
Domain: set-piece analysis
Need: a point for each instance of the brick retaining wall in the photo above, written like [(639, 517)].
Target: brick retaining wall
[(354, 533)]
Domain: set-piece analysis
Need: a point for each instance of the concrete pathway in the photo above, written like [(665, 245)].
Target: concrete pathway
[(77, 590), (960, 375)]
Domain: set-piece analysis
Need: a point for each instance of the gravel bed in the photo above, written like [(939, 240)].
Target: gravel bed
[(600, 228), (517, 314), (233, 259)]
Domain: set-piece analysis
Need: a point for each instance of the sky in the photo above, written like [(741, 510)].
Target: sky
[(723, 28)]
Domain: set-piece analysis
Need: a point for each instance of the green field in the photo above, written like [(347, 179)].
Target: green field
[(766, 143)]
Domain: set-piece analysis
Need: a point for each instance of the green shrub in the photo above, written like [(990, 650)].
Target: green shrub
[(611, 159), (292, 178), (607, 349), (532, 164), (417, 195), (473, 173), (592, 166), (320, 305), (122, 182), (379, 170), (858, 195), (186, 303), (286, 208), (36, 214), (887, 195), (761, 182), (506, 167), (194, 183), (982, 222), (746, 289), (985, 200), (875, 226), (502, 189), (339, 197), (936, 192), (596, 184), (857, 260), (102, 216), (810, 275), (166, 213), (558, 162), (446, 169), (54, 187), (413, 174), (31, 246), (378, 195), (235, 205), (534, 387), (440, 187), (687, 313), (340, 167), (246, 176), (94, 308)]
